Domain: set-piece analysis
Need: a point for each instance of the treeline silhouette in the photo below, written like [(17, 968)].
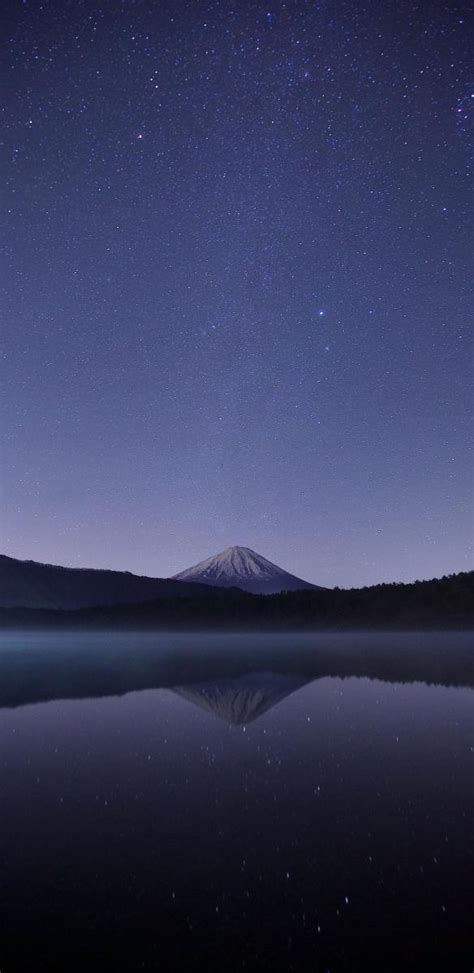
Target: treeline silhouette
[(446, 602)]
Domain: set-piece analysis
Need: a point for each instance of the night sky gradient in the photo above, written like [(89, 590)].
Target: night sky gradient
[(237, 285)]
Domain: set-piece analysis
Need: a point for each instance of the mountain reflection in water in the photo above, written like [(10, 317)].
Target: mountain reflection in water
[(243, 699)]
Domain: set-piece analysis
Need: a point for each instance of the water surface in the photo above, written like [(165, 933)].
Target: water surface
[(242, 802)]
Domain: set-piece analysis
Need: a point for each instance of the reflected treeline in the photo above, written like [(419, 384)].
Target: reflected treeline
[(104, 664)]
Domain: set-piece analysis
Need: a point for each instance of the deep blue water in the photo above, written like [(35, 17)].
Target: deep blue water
[(236, 802)]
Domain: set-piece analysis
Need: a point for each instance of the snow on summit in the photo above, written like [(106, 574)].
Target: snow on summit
[(243, 568)]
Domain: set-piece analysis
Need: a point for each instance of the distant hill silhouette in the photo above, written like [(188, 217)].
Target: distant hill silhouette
[(446, 602), (30, 584)]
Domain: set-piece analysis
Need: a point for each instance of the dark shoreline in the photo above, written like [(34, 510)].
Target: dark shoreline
[(444, 604)]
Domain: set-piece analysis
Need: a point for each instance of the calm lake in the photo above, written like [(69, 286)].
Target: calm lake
[(236, 802)]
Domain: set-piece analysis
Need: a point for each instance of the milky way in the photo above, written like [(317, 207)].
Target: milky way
[(237, 285)]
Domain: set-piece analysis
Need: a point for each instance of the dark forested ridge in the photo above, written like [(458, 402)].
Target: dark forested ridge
[(446, 602), (50, 586)]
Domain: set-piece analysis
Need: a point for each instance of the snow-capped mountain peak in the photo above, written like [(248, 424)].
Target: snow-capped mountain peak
[(242, 568)]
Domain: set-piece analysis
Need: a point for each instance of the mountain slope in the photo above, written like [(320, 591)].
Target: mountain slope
[(242, 568), (29, 584)]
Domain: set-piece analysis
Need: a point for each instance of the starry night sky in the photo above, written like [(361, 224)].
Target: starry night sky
[(237, 285)]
